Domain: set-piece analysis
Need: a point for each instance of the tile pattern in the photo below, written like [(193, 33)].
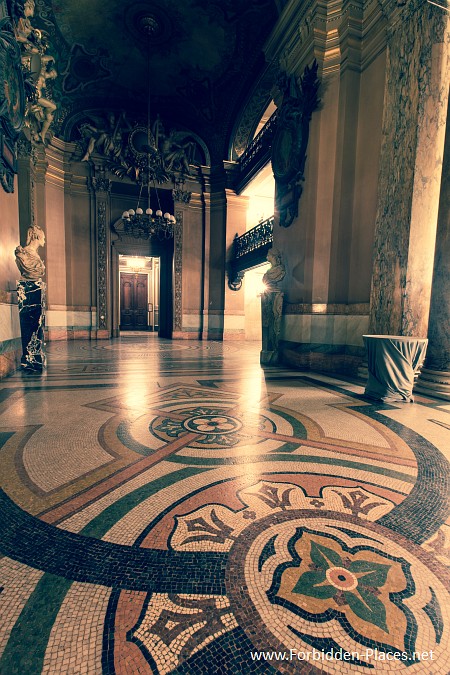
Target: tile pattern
[(168, 507)]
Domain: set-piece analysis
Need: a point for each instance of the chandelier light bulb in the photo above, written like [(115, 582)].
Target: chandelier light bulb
[(167, 216), (159, 213), (125, 214), (149, 211), (131, 212), (139, 211)]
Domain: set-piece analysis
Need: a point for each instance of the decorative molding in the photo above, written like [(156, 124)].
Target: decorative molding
[(253, 111), (178, 271), (101, 264), (351, 309)]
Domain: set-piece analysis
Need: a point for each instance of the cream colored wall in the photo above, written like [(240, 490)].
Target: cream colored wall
[(367, 163), (9, 239), (253, 287), (9, 315)]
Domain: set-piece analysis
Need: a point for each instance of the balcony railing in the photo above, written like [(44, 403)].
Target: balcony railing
[(249, 250), (257, 153), (258, 236)]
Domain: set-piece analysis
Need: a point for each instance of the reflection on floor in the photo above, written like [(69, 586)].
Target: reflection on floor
[(169, 507)]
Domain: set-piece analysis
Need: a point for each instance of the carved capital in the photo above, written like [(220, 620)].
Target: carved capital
[(180, 195), (101, 184)]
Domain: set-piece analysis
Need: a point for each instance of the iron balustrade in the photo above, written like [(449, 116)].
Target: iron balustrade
[(261, 142), (257, 153), (258, 236), (249, 250)]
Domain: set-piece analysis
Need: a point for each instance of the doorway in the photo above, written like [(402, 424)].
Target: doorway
[(139, 286)]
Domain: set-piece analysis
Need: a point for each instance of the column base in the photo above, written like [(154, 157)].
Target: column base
[(434, 383)]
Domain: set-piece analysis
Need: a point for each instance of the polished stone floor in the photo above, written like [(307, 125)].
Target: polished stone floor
[(170, 507)]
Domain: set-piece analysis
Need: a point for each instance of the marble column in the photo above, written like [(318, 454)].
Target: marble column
[(414, 119), (435, 376)]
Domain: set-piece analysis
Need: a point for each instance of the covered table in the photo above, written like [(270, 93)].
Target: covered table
[(392, 363)]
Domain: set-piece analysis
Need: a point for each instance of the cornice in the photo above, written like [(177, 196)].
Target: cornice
[(340, 34)]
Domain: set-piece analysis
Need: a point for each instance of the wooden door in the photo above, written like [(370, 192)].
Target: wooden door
[(133, 301)]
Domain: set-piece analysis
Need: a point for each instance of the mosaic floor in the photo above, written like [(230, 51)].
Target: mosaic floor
[(169, 507)]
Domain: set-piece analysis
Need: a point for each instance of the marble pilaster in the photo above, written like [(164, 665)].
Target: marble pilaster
[(415, 112), (234, 319), (214, 253)]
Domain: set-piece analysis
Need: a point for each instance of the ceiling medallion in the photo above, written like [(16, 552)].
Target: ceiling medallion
[(142, 21)]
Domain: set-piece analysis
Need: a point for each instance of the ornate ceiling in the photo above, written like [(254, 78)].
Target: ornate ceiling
[(204, 57)]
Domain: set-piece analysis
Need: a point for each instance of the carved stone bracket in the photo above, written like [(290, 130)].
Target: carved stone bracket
[(235, 279), (296, 102)]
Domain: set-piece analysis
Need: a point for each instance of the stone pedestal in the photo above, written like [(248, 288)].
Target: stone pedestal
[(31, 296), (271, 312)]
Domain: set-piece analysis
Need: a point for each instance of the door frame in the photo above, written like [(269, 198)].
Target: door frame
[(141, 247)]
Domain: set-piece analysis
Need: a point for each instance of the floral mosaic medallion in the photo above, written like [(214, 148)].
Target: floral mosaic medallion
[(327, 587), (216, 427)]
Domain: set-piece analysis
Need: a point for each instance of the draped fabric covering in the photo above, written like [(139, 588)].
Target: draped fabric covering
[(31, 297), (393, 362)]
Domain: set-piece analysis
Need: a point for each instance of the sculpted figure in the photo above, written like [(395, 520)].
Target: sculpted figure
[(177, 152), (106, 137), (277, 272), (28, 260), (44, 108)]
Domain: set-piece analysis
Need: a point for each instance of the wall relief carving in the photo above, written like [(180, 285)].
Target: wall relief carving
[(12, 103), (133, 150), (38, 69), (296, 100)]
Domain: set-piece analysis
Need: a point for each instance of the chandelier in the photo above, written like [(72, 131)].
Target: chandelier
[(150, 170)]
